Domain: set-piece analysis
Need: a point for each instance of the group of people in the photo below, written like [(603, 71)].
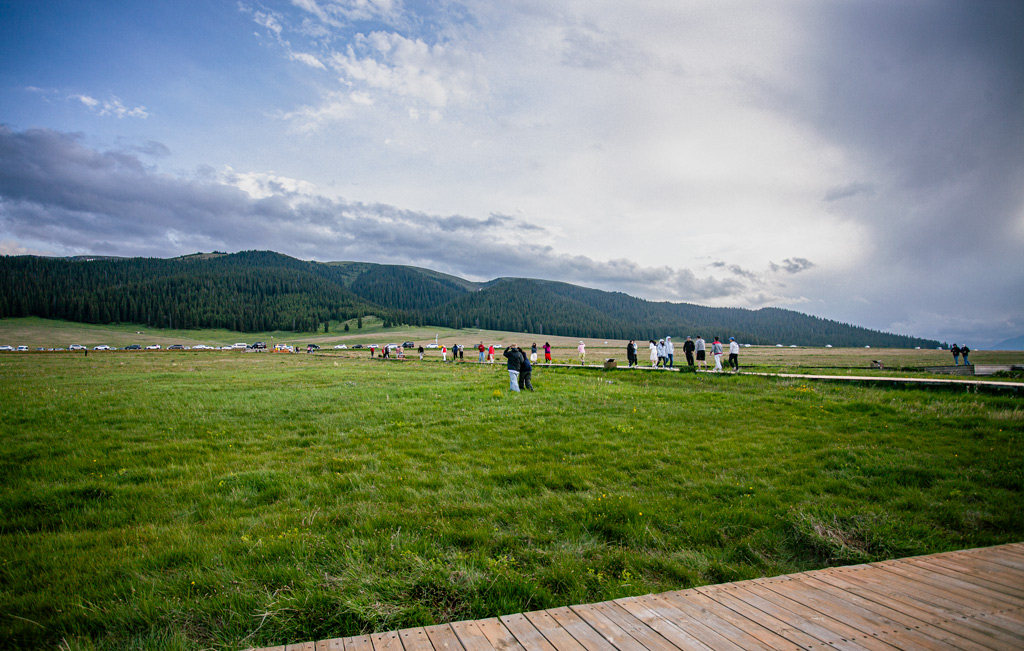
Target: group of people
[(662, 353), (520, 368), (960, 351)]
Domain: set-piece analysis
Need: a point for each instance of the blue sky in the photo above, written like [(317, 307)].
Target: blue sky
[(857, 160)]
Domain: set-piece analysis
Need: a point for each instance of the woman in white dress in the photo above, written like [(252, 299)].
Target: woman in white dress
[(654, 352)]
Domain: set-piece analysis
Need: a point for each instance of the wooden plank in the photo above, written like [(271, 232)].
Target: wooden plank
[(911, 596), (978, 572), (442, 638), (526, 633), (1006, 558), (637, 629), (782, 628), (358, 643), (706, 620), (303, 646), (499, 637), (967, 593), (724, 621), (950, 632), (415, 639), (553, 632), (850, 609), (673, 624), (471, 636), (334, 644), (386, 641), (608, 629), (581, 631), (829, 630)]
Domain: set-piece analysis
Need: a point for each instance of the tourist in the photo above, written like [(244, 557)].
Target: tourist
[(734, 354), (717, 351), (662, 360), (669, 349), (444, 353), (420, 351), (490, 354), (688, 351), (515, 361), (525, 372), (533, 353), (956, 355), (631, 353), (547, 352), (462, 353), (699, 350), (654, 352), (481, 348), (964, 350), (582, 350)]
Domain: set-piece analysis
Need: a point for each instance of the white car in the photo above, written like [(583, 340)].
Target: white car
[(101, 347), (6, 347), (240, 346), (341, 347), (22, 348), (431, 346), (76, 347), (228, 348), (153, 347)]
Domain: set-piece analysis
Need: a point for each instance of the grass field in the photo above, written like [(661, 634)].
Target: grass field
[(222, 500)]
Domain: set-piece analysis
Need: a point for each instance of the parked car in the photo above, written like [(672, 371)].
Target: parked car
[(283, 348), (76, 347), (357, 346), (101, 347), (431, 346), (133, 347), (175, 347), (153, 347), (6, 347), (408, 344), (259, 345), (341, 347), (240, 346)]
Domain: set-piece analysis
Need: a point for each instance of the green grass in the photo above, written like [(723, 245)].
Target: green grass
[(224, 500)]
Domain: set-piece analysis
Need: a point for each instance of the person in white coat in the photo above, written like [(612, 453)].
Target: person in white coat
[(734, 354), (669, 349), (654, 352)]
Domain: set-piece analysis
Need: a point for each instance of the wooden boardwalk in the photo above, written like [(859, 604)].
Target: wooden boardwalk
[(972, 599)]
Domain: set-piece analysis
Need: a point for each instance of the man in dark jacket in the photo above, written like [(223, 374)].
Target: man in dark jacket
[(525, 371), (688, 348), (515, 361)]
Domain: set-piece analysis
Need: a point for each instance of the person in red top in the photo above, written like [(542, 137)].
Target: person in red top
[(481, 349), (490, 353), (547, 352)]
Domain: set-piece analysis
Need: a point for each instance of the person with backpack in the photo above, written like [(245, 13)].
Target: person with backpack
[(515, 362)]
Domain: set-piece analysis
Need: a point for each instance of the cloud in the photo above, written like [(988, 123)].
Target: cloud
[(79, 200), (112, 107)]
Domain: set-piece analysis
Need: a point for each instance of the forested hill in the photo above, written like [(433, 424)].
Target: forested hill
[(255, 291)]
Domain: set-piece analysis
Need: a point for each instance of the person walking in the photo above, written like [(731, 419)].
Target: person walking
[(717, 351), (533, 353), (956, 354), (631, 353), (481, 348), (734, 354), (582, 350), (547, 352), (669, 350), (654, 352), (515, 362), (964, 350), (420, 351), (699, 349), (688, 351), (525, 373), (662, 360), (490, 354), (444, 353), (462, 353)]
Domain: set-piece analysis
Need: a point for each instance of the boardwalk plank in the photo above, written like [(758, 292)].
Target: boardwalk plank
[(674, 625), (608, 629), (724, 621), (304, 646), (580, 630), (415, 639), (967, 593), (358, 643), (335, 644), (471, 636), (950, 633), (499, 636), (526, 633), (1005, 558), (780, 627), (650, 637), (386, 641), (910, 596), (554, 632), (442, 638), (978, 572)]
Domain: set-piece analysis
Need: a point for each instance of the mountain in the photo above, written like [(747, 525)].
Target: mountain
[(254, 291), (1016, 343)]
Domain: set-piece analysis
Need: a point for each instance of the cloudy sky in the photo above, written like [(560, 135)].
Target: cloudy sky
[(859, 160)]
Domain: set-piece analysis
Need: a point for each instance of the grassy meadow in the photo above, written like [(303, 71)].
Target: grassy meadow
[(198, 499)]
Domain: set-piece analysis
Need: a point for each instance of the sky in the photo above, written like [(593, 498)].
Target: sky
[(858, 160)]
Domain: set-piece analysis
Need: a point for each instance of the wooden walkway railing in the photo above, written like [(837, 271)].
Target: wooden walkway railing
[(972, 599)]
